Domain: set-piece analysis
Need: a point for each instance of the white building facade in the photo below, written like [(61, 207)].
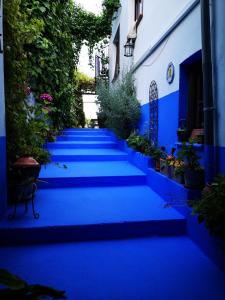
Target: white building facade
[(167, 67)]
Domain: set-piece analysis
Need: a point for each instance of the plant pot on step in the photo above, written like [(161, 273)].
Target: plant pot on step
[(194, 178), (179, 178), (157, 165), (163, 167), (170, 171)]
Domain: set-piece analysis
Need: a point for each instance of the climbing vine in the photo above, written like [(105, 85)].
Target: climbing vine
[(42, 42), (90, 28)]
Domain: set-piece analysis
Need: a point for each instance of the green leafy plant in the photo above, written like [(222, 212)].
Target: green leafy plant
[(139, 143), (119, 105), (211, 207), (189, 156), (17, 288)]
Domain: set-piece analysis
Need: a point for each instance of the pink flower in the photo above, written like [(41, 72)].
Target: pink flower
[(28, 90), (46, 97)]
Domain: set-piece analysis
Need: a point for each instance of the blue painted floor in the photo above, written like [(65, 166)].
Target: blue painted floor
[(98, 196), (140, 269)]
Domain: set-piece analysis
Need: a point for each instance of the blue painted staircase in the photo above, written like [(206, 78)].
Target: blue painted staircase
[(103, 233)]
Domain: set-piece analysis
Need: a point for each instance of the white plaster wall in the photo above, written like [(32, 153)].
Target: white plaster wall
[(180, 45), (2, 98), (219, 47), (158, 16), (124, 18)]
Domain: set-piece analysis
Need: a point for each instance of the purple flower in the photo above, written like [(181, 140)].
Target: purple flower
[(46, 97)]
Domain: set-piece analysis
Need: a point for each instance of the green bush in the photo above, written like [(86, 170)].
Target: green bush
[(211, 207), (119, 105), (139, 143)]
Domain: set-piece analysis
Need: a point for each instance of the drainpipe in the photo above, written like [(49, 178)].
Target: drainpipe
[(207, 91)]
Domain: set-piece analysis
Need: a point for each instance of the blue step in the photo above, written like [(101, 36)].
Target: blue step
[(89, 132), (65, 155), (75, 214), (85, 130), (90, 173), (81, 144), (84, 138)]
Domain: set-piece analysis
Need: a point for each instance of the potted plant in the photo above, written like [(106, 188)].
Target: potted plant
[(178, 171), (26, 172), (156, 154), (211, 207), (193, 172), (163, 164), (170, 160)]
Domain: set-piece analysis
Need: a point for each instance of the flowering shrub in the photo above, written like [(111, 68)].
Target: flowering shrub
[(46, 98), (170, 158)]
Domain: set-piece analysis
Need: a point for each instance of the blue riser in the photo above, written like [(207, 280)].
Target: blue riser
[(107, 231), (96, 145), (86, 129), (84, 138), (66, 182), (93, 133), (67, 158)]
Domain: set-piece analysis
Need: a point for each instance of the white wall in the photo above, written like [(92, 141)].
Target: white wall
[(219, 48), (180, 45), (158, 16), (125, 17), (90, 106)]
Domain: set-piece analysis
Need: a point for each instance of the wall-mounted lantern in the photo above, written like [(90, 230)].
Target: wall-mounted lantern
[(129, 48)]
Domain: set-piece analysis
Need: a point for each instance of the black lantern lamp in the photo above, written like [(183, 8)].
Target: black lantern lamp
[(129, 48)]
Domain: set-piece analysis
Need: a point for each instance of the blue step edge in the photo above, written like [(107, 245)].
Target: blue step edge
[(104, 231), (62, 182)]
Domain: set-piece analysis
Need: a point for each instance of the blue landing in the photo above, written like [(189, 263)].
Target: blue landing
[(93, 213), (170, 268)]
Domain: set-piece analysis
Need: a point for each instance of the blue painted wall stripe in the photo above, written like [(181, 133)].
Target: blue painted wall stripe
[(168, 119), (3, 187), (168, 124)]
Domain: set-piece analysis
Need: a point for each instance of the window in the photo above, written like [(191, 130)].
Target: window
[(138, 11), (116, 42)]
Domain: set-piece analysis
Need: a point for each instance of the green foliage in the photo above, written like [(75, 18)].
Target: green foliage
[(39, 56), (119, 105), (17, 288), (211, 207), (142, 144), (91, 28), (139, 143), (189, 156), (42, 42)]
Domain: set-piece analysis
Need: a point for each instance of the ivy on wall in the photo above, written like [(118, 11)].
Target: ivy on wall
[(92, 29), (42, 42)]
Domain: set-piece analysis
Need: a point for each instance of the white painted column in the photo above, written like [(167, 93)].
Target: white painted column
[(2, 122), (219, 67)]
